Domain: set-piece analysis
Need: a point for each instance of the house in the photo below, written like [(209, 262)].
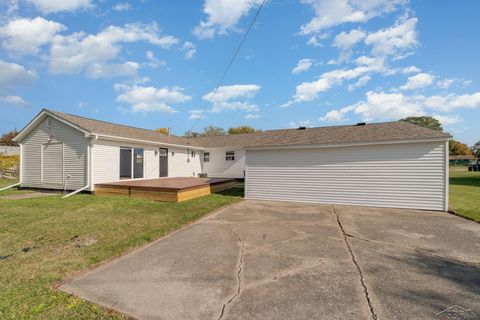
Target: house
[(462, 160), (391, 164)]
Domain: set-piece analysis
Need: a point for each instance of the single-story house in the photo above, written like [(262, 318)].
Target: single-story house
[(391, 164), (462, 160)]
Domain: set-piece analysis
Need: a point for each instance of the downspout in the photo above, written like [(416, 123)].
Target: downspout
[(89, 169), (11, 186)]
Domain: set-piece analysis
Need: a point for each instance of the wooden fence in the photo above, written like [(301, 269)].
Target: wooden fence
[(9, 173)]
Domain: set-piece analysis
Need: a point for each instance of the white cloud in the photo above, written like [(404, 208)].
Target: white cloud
[(303, 65), (360, 83), (309, 91), (394, 106), (76, 52), (223, 16), (153, 62), (252, 116), (13, 100), (346, 40), (233, 97), (122, 6), (335, 115), (448, 120), (411, 69), (108, 71), (445, 83), (25, 36), (190, 49), (420, 80), (302, 123), (329, 13), (395, 41), (13, 74), (150, 99), (196, 114), (52, 6)]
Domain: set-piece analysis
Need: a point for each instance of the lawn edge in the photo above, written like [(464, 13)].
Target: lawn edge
[(461, 216), (58, 284)]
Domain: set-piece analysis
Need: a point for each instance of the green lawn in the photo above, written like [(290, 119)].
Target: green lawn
[(43, 241), (8, 182), (465, 192)]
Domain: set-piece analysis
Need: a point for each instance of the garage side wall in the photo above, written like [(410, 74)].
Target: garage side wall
[(407, 175), (45, 170)]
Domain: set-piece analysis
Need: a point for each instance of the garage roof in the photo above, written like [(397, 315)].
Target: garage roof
[(346, 134)]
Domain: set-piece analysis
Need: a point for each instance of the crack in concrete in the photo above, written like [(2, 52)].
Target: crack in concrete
[(357, 266), (383, 243), (239, 278)]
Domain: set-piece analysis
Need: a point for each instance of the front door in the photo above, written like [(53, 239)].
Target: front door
[(163, 162)]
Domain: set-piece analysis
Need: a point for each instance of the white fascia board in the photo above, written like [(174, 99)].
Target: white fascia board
[(156, 143), (338, 145), (38, 118)]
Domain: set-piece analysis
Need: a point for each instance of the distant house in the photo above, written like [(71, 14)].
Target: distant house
[(9, 150), (392, 164), (461, 160)]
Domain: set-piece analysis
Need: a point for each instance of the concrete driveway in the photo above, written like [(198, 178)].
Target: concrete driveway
[(273, 260)]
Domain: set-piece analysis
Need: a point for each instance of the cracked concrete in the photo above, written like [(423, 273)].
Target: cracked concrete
[(274, 260)]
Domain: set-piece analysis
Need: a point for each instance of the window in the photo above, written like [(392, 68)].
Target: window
[(163, 152), (193, 154), (230, 156), (206, 157), (137, 163), (50, 122)]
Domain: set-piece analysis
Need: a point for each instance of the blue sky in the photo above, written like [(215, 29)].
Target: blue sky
[(306, 62)]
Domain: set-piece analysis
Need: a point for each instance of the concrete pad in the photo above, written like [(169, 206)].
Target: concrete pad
[(278, 260), (253, 260)]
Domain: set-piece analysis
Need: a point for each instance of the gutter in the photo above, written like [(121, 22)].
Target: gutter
[(116, 138), (75, 192)]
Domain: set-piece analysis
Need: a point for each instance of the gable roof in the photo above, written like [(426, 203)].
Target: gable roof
[(333, 135)]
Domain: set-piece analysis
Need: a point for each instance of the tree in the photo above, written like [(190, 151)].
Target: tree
[(476, 149), (213, 131), (427, 122), (7, 138), (164, 131), (192, 134), (457, 148), (241, 129)]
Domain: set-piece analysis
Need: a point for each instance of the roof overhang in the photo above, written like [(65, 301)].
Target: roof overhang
[(39, 118), (148, 142), (352, 144)]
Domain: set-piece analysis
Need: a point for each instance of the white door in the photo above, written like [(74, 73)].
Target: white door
[(409, 175), (52, 164)]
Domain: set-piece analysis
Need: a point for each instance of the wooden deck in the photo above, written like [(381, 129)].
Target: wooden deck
[(165, 189)]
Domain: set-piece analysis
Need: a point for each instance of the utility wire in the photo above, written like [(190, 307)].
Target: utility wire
[(229, 65)]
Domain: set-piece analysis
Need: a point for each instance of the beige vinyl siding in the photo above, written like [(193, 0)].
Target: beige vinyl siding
[(220, 168), (407, 175), (39, 155)]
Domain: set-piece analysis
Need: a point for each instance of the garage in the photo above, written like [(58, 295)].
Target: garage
[(397, 174)]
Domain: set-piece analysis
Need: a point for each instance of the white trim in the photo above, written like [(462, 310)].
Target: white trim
[(447, 175), (354, 144), (156, 143), (21, 163)]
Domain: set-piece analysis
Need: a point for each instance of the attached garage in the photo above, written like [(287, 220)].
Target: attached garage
[(399, 174)]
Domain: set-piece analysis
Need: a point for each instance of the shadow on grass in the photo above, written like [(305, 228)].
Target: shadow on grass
[(238, 191), (473, 180)]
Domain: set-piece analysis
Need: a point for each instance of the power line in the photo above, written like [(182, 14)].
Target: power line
[(231, 61)]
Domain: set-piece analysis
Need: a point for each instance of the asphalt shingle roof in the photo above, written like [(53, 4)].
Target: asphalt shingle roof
[(374, 132)]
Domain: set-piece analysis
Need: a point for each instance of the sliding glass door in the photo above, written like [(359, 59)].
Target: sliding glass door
[(131, 163), (125, 163)]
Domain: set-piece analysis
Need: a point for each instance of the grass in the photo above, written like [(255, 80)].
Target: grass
[(8, 182), (465, 192), (42, 241)]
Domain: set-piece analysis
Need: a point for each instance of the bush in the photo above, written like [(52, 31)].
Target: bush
[(9, 162)]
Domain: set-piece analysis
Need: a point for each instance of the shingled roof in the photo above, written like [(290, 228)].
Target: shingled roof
[(346, 134)]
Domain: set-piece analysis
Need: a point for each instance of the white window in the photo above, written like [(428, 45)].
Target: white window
[(206, 157), (230, 156), (193, 154)]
